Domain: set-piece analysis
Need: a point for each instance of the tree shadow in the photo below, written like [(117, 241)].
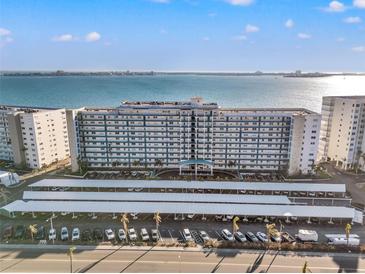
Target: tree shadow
[(256, 263)]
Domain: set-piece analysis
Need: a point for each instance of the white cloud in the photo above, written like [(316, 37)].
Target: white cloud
[(335, 6), (358, 49), (206, 38), (92, 36), (251, 28), (240, 2), (4, 32), (352, 20), (359, 4), (63, 38), (289, 23), (239, 37), (302, 35)]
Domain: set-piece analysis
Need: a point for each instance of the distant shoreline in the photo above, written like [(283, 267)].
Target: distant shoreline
[(153, 73)]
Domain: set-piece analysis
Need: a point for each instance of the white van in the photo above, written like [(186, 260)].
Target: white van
[(343, 241), (307, 235)]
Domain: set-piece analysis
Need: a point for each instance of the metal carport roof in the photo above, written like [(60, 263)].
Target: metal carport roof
[(262, 186), (160, 197), (177, 208)]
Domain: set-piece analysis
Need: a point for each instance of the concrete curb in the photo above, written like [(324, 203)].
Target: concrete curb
[(172, 249)]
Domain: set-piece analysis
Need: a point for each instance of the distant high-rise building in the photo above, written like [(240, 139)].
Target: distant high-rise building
[(342, 131), (33, 137), (195, 137)]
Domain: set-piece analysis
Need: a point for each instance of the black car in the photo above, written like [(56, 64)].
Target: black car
[(98, 234), (41, 233), (251, 237), (20, 232), (86, 235)]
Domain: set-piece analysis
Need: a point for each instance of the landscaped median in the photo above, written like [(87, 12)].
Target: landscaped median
[(295, 247)]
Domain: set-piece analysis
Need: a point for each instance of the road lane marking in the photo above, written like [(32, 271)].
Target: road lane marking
[(299, 266)]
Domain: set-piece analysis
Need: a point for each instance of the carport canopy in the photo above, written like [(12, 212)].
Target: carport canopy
[(178, 184), (181, 208), (155, 197)]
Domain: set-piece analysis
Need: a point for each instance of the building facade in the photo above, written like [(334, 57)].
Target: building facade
[(196, 137), (342, 131), (33, 137)]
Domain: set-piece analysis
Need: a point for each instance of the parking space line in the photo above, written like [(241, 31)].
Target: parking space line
[(172, 239)]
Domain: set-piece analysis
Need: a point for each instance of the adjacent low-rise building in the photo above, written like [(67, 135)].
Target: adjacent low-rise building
[(195, 137), (33, 137), (342, 131)]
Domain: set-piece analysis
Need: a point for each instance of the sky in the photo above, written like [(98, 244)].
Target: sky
[(183, 35)]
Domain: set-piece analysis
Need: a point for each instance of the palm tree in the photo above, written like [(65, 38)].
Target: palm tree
[(157, 219), (124, 220), (235, 225), (231, 163), (136, 163), (33, 230), (158, 163)]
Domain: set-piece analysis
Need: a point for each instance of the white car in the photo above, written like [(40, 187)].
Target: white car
[(109, 233), (64, 234), (204, 236), (121, 234), (132, 234), (155, 234), (75, 234), (262, 237), (52, 234), (190, 216), (138, 189), (144, 235), (227, 235), (187, 235), (134, 215)]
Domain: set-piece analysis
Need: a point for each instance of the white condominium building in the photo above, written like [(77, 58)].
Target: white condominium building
[(195, 137), (342, 131), (33, 137)]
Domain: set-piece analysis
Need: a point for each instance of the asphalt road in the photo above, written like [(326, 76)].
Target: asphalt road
[(36, 260)]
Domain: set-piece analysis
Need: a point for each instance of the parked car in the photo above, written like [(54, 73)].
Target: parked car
[(262, 237), (20, 232), (86, 235), (8, 232), (205, 237), (229, 217), (64, 234), (138, 189), (307, 235), (155, 234), (311, 194), (144, 235), (109, 234), (218, 217), (343, 241), (251, 237), (187, 235), (98, 234), (132, 234), (134, 215), (75, 234), (276, 237), (52, 234), (190, 216), (121, 234), (41, 233), (238, 235), (287, 237), (227, 235)]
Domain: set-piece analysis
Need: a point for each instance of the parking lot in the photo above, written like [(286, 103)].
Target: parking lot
[(171, 230)]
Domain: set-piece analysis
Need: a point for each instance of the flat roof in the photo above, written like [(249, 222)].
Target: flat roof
[(263, 186), (160, 197), (181, 208)]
